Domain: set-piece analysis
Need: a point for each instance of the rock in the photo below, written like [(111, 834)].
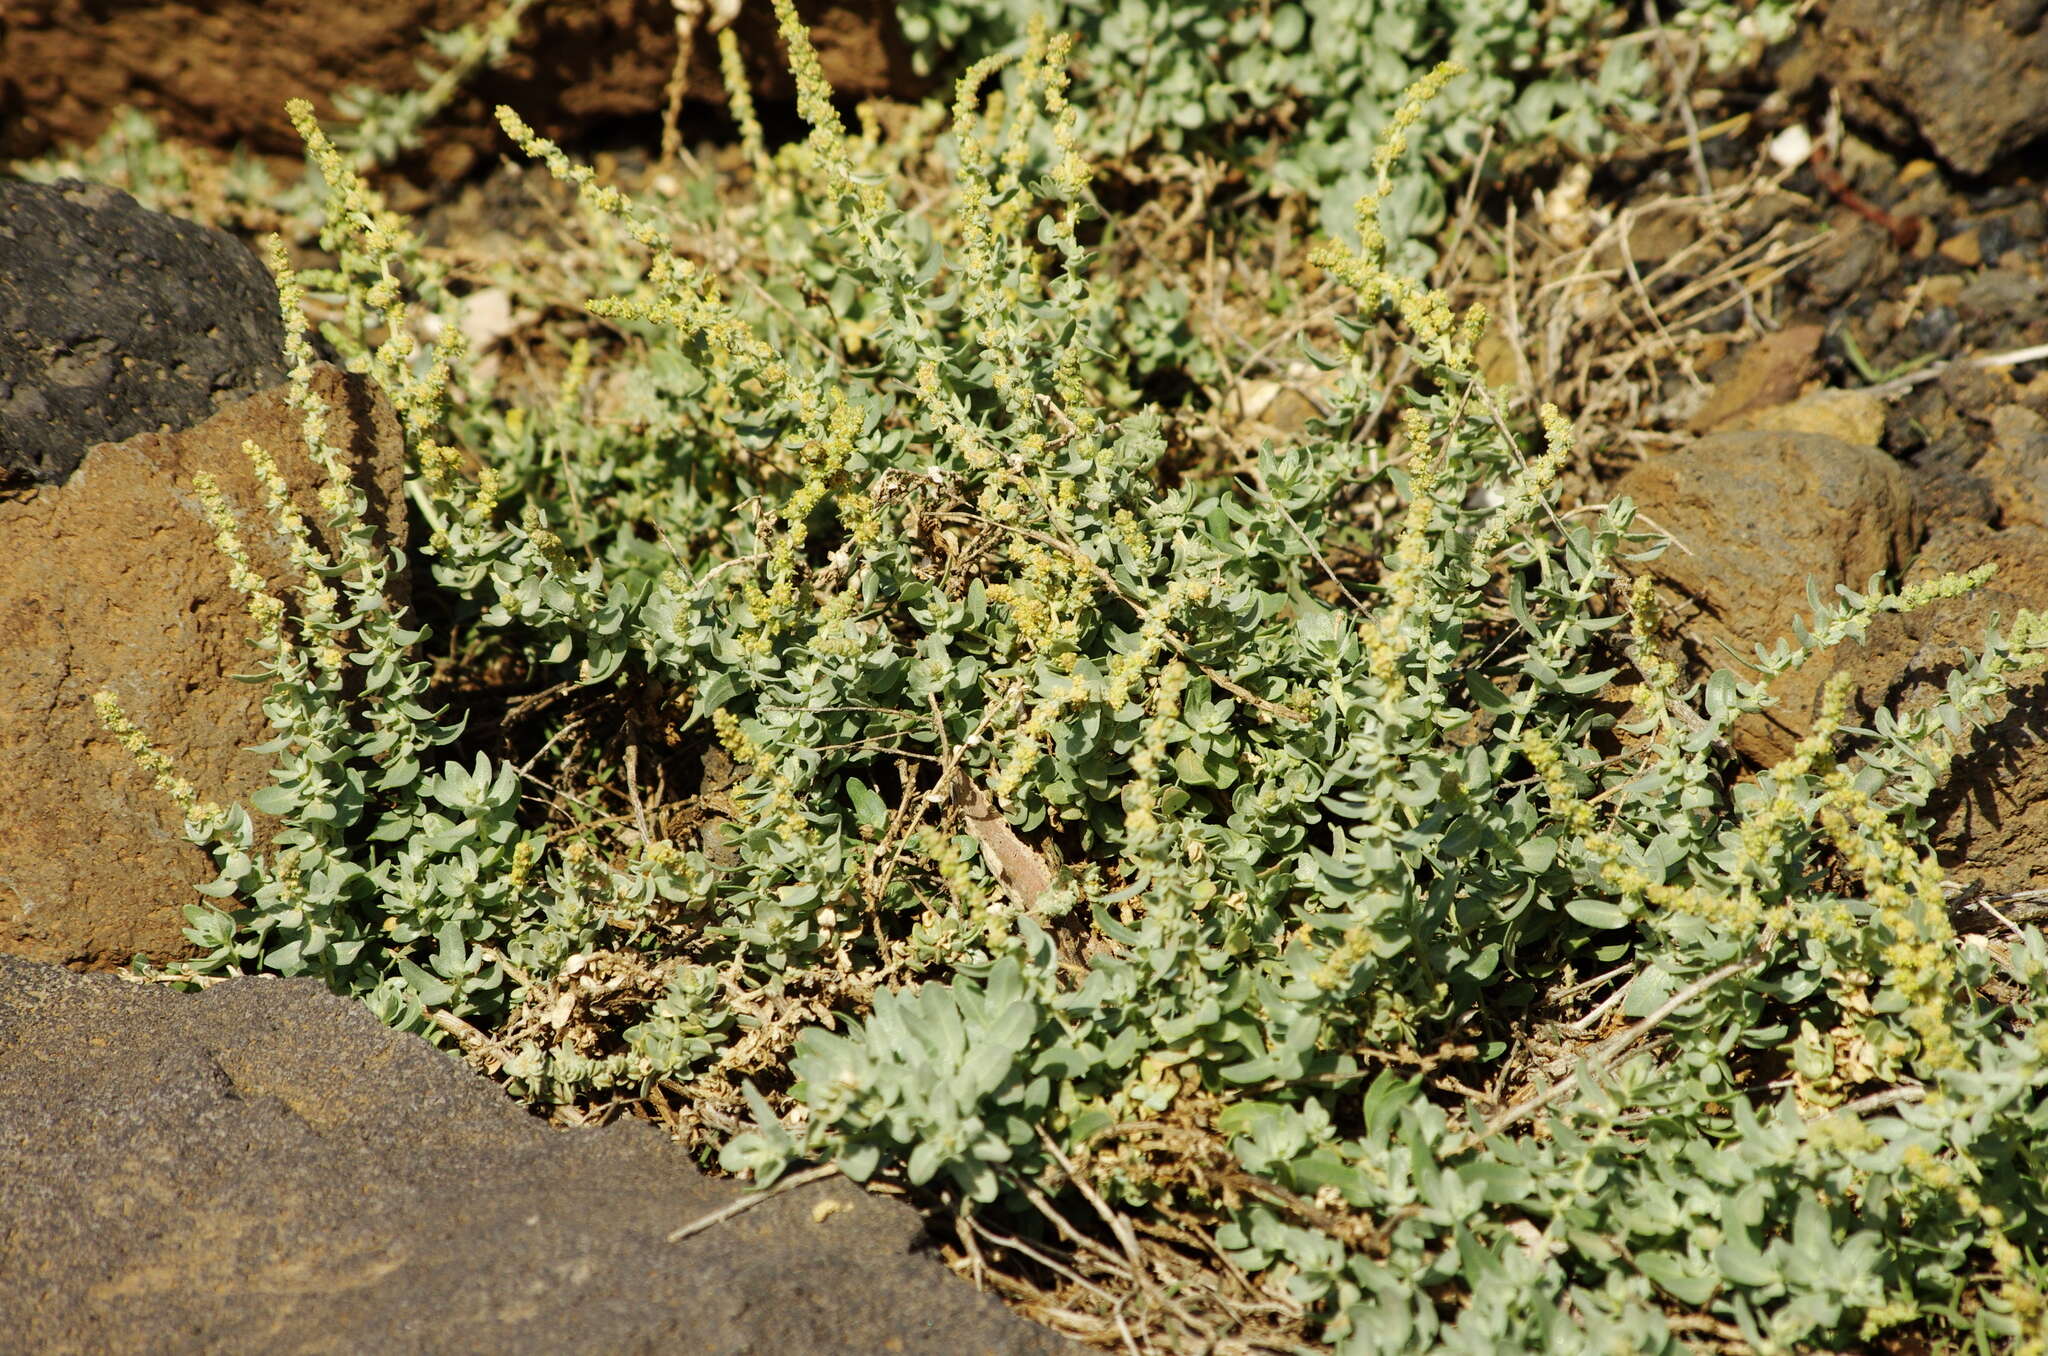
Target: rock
[(1262, 408), (2016, 466), (1852, 416), (1769, 372), (1755, 516), (116, 320), (112, 579), (262, 1167), (1991, 811), (571, 68), (1855, 258), (1965, 249), (1963, 75), (1998, 298)]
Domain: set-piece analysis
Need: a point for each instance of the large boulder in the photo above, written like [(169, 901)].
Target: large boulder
[(1755, 516), (1965, 76), (116, 320), (1991, 811), (262, 1167), (112, 579)]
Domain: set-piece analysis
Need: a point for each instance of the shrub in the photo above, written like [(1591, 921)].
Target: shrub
[(1301, 91), (1106, 860)]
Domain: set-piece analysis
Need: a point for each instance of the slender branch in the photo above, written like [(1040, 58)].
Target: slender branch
[(749, 1201), (1605, 1054)]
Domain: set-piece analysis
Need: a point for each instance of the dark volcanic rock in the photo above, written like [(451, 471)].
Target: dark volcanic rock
[(116, 320), (264, 1168), (1965, 75)]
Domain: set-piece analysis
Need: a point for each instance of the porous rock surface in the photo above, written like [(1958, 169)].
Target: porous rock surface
[(573, 66), (116, 320), (1991, 812), (112, 579), (1756, 515), (262, 1167), (1969, 77)]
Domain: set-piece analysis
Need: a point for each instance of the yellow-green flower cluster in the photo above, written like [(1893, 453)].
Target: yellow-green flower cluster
[(163, 772), (739, 100), (827, 138), (569, 391), (1940, 1174), (684, 297), (1531, 486), (554, 556), (319, 600), (1427, 312), (1128, 668), (824, 465), (1406, 579), (1646, 622), (1739, 910), (1909, 909), (1027, 743), (299, 356), (265, 607), (1902, 888), (369, 237), (1048, 600), (989, 210), (1148, 757), (1393, 139), (775, 803), (976, 918), (1125, 672), (946, 409), (1352, 950)]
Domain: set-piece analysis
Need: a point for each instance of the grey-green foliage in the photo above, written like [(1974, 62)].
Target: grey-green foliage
[(1315, 832), (1300, 90)]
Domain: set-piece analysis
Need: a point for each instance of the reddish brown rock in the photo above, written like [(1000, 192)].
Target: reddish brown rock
[(219, 71), (112, 580), (1991, 812), (1755, 516), (2015, 466), (1769, 372), (1852, 416)]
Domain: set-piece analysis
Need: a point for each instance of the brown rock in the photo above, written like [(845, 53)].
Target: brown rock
[(1770, 372), (1962, 74), (1963, 249), (1658, 234), (1755, 516), (1990, 812), (219, 71), (112, 580), (2016, 466), (1262, 408), (1852, 416), (263, 1168), (1942, 290)]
